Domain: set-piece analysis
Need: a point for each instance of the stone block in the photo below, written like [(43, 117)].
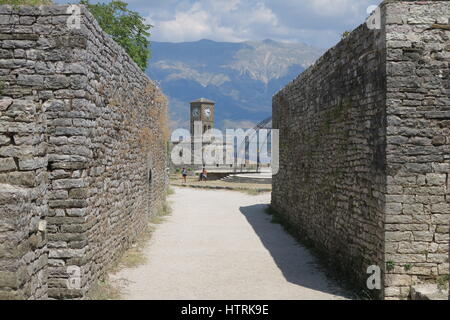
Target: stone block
[(30, 80), (423, 236), (4, 140), (56, 82), (398, 236), (428, 292), (394, 208), (437, 258), (7, 164), (436, 179), (406, 258), (76, 212), (416, 208), (82, 193), (392, 291), (397, 280), (400, 219), (442, 211), (56, 105), (413, 247), (443, 268), (439, 140), (5, 103), (441, 238), (27, 179), (68, 184), (66, 253), (59, 195), (26, 164), (69, 203)]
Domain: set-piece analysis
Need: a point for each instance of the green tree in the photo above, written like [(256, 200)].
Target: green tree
[(126, 27)]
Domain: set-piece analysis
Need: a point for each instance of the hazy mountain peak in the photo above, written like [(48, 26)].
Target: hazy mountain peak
[(267, 60), (240, 77), (270, 41)]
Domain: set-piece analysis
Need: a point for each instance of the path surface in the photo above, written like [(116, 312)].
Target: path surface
[(221, 245)]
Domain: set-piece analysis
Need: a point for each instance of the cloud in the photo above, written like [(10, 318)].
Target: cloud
[(220, 20), (193, 24), (316, 22)]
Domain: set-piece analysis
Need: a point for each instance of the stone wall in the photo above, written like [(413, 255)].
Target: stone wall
[(418, 149), (364, 149), (92, 152), (331, 182), (23, 198)]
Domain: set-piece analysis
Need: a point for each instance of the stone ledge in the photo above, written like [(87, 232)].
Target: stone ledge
[(428, 292), (221, 188)]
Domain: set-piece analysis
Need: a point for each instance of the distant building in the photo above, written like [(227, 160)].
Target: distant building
[(214, 152), (202, 120), (202, 110)]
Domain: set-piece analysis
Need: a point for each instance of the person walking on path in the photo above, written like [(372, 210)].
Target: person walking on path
[(184, 175), (204, 175)]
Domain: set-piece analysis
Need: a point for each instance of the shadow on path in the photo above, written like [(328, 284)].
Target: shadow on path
[(295, 261)]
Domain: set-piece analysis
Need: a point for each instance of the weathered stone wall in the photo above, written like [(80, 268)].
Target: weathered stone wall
[(364, 150), (23, 162), (23, 197), (331, 183), (418, 150), (103, 140)]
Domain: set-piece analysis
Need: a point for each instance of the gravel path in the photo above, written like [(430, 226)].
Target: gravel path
[(221, 245)]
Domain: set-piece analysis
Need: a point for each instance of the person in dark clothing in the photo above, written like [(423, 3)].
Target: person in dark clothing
[(204, 175)]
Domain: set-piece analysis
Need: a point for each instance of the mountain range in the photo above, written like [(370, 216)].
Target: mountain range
[(240, 77)]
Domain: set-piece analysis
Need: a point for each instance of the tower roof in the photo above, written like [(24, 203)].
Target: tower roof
[(203, 100)]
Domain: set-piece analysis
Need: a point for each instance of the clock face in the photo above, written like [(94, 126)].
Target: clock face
[(207, 112), (196, 113)]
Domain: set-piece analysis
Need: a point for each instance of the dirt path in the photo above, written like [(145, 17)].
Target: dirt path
[(221, 245)]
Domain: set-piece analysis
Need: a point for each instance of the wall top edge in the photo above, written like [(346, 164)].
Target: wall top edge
[(88, 25), (385, 8)]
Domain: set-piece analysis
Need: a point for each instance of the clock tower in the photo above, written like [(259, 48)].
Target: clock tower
[(202, 113)]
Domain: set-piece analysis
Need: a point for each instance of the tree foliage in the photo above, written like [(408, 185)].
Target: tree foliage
[(126, 27)]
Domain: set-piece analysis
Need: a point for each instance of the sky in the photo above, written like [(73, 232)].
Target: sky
[(315, 22)]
